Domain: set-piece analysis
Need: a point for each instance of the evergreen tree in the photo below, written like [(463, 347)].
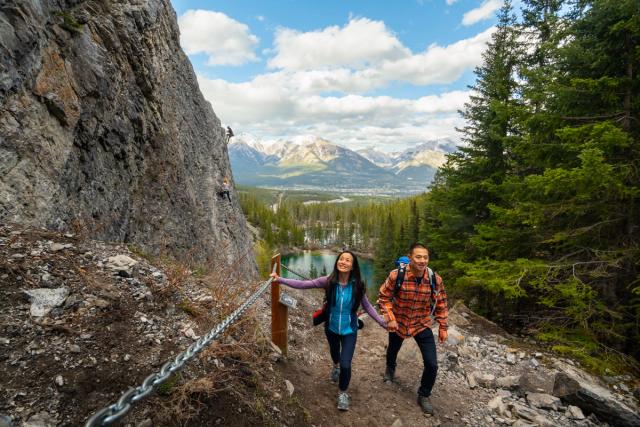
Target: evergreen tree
[(470, 182)]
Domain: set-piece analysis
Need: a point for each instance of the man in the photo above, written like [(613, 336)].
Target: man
[(407, 311)]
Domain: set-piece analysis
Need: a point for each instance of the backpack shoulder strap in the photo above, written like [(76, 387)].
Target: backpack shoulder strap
[(399, 279), (434, 292), (432, 282)]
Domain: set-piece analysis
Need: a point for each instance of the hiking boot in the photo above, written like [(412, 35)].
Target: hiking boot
[(343, 401), (389, 374), (425, 404), (335, 374)]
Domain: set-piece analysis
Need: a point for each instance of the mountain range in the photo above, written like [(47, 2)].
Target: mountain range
[(311, 162)]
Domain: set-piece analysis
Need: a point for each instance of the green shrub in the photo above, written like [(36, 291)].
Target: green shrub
[(70, 23)]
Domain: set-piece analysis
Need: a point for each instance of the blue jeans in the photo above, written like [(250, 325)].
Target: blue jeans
[(427, 344), (341, 348)]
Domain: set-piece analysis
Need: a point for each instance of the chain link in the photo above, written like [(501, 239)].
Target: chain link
[(295, 272), (114, 412)]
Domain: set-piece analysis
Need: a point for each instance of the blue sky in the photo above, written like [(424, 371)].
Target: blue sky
[(358, 73)]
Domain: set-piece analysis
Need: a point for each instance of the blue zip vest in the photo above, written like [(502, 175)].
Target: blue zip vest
[(342, 317)]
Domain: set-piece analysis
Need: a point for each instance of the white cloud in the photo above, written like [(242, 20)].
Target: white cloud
[(450, 2), (269, 110), (321, 83), (436, 65), (485, 11), (439, 64), (359, 43), (225, 40)]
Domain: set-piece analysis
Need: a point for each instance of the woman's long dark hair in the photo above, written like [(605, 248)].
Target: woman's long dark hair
[(353, 275)]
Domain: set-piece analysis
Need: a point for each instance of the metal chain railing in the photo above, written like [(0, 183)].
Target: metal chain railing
[(114, 412), (294, 272)]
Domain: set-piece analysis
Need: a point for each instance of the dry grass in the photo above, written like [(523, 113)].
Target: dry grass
[(233, 366), (233, 363)]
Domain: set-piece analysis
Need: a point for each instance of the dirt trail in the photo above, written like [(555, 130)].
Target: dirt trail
[(373, 402)]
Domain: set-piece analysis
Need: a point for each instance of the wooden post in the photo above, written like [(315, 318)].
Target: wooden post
[(279, 312)]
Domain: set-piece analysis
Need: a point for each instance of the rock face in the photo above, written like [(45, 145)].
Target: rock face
[(103, 130)]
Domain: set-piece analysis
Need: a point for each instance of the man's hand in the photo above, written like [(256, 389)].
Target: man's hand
[(442, 335), (392, 325), (275, 276)]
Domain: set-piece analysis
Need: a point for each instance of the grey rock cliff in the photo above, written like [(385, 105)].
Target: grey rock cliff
[(103, 129)]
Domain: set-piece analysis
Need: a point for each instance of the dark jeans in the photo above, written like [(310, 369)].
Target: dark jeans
[(427, 345), (342, 355), (224, 193)]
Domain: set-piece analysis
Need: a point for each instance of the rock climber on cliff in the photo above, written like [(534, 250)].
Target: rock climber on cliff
[(225, 189), (229, 133)]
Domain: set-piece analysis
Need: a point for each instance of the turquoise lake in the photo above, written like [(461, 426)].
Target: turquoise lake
[(302, 262)]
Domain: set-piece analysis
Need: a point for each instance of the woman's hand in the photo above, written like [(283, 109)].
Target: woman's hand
[(275, 276), (392, 326)]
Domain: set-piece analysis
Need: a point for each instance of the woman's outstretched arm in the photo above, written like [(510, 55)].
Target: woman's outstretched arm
[(320, 282)]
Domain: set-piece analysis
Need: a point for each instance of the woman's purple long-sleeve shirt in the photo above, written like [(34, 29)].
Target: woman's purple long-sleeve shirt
[(321, 282)]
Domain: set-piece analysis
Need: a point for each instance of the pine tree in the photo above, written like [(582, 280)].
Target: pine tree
[(470, 182)]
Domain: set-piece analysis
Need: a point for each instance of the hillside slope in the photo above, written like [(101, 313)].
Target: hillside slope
[(113, 324)]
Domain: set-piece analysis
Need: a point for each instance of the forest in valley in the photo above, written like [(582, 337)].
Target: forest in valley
[(534, 221)]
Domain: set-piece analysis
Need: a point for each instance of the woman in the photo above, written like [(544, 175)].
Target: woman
[(345, 293)]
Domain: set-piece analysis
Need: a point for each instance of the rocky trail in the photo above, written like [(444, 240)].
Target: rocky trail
[(82, 321)]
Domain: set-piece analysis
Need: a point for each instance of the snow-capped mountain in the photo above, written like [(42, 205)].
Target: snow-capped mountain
[(313, 162), (378, 157), (421, 162)]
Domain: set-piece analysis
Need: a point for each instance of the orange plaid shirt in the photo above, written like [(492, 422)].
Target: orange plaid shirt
[(410, 307)]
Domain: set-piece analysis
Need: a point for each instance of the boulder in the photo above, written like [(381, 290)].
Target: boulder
[(522, 411), (575, 388), (480, 378), (543, 401), (485, 380), (509, 383), (45, 299), (535, 382), (56, 247), (575, 413), (122, 264)]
